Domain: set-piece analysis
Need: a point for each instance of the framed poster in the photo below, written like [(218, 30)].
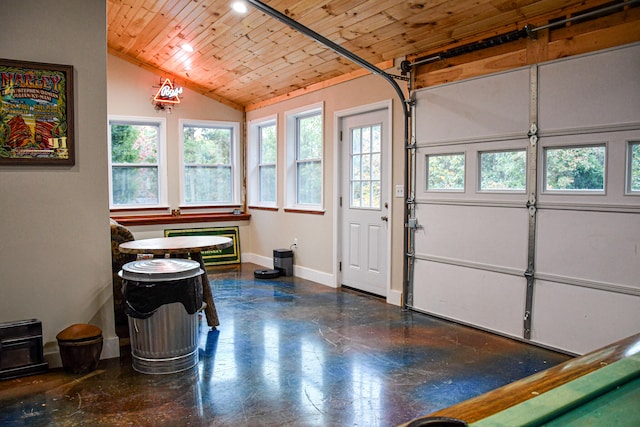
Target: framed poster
[(36, 113), (230, 255)]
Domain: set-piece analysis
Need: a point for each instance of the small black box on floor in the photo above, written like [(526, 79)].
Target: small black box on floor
[(283, 261), (21, 350)]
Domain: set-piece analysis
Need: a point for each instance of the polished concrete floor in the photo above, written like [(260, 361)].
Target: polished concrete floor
[(288, 352)]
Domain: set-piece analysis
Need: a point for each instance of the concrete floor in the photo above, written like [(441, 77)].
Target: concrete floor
[(288, 352)]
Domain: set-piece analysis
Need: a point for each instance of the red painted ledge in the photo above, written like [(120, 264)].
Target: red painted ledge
[(133, 220)]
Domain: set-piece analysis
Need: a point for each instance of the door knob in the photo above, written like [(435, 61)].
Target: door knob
[(384, 218)]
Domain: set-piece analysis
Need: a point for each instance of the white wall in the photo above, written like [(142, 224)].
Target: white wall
[(55, 245), (130, 91), (315, 255), (55, 241)]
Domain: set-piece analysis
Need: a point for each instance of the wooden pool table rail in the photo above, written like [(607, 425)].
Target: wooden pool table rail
[(512, 394)]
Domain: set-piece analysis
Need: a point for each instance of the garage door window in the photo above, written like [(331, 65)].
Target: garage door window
[(445, 172), (580, 169), (503, 171), (633, 169)]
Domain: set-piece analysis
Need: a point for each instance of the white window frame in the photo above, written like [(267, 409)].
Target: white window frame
[(628, 169), (236, 170), (161, 122), (253, 157), (291, 184)]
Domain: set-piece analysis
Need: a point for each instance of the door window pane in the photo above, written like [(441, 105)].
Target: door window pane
[(503, 170), (445, 172), (574, 168), (365, 167)]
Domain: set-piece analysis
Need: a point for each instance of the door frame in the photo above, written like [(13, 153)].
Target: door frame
[(338, 116)]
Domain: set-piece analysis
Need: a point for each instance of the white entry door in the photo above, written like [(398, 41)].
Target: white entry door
[(364, 201)]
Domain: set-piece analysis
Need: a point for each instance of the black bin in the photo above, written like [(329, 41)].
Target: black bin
[(283, 261)]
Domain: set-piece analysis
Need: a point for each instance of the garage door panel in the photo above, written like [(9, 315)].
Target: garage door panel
[(479, 234), (477, 108), (595, 246), (580, 319), (471, 246), (487, 299), (593, 90)]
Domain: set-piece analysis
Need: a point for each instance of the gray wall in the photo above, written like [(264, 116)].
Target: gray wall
[(55, 244)]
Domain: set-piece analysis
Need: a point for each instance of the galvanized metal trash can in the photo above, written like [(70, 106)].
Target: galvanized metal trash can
[(162, 301)]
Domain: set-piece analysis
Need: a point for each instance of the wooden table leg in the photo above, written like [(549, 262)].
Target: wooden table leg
[(210, 310)]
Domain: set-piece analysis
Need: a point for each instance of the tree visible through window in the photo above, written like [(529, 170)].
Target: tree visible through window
[(134, 164), (207, 152), (365, 167), (503, 170), (634, 169), (575, 168), (267, 163), (309, 159), (445, 172)]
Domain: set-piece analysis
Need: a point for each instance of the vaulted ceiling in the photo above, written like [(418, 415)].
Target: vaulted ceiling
[(242, 60)]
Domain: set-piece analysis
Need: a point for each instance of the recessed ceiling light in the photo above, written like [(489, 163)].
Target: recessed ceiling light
[(239, 6), (187, 47)]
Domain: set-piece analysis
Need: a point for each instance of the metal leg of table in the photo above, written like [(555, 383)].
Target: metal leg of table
[(210, 310)]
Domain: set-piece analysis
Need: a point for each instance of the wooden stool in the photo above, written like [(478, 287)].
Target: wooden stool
[(80, 347)]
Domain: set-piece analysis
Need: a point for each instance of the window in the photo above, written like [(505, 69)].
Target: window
[(574, 168), (209, 175), (365, 167), (304, 158), (262, 155), (503, 170), (445, 172), (633, 167), (137, 173), (267, 149)]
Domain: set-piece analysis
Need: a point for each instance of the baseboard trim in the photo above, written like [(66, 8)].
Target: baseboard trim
[(320, 277), (394, 297)]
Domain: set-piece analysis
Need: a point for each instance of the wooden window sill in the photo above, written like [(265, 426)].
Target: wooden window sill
[(304, 211), (133, 220), (263, 208)]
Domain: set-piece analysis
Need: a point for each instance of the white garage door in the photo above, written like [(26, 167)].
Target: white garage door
[(533, 231)]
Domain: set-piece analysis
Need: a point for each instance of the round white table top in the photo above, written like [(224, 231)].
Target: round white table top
[(175, 245)]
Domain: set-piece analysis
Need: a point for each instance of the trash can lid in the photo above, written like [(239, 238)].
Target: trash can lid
[(160, 269), (283, 253), (79, 332)]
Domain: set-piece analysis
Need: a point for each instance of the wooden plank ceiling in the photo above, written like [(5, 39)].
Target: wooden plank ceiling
[(242, 60)]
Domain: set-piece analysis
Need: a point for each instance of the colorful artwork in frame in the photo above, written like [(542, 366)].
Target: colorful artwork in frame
[(226, 256), (36, 114)]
